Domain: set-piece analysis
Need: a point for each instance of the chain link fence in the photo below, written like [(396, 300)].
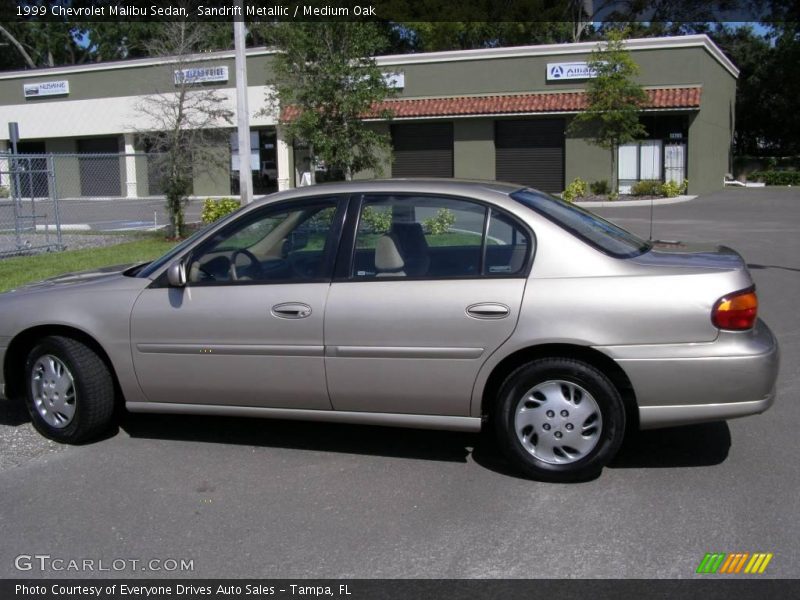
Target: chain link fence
[(29, 219), (45, 197)]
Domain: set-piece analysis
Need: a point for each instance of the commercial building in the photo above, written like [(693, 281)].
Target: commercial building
[(499, 113)]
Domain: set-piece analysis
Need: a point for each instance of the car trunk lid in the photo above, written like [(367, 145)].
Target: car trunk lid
[(682, 257)]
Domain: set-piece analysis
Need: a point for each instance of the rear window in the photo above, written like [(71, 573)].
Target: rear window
[(594, 230)]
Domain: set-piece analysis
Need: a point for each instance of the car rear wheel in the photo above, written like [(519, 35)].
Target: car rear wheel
[(559, 419), (69, 390)]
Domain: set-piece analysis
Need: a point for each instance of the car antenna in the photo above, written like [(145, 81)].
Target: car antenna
[(651, 219)]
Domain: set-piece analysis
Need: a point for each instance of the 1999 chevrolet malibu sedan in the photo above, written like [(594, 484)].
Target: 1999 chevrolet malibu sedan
[(434, 304)]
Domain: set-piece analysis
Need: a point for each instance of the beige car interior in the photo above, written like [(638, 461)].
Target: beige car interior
[(267, 248), (388, 262)]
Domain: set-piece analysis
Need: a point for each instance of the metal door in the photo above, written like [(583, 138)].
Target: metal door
[(675, 162)]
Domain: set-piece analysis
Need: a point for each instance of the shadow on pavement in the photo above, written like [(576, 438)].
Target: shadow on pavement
[(13, 413), (689, 446), (322, 437)]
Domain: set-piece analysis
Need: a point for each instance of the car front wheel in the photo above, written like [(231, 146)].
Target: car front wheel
[(69, 390), (559, 419)]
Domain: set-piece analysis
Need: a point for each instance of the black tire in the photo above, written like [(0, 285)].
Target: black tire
[(93, 390), (577, 467)]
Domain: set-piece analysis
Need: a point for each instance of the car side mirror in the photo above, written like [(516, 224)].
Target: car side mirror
[(176, 274)]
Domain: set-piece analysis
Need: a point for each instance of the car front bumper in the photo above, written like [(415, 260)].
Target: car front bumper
[(678, 384)]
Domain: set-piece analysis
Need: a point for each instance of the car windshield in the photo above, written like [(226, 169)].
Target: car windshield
[(596, 231)]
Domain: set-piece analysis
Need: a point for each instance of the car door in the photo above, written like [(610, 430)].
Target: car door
[(432, 286), (247, 329)]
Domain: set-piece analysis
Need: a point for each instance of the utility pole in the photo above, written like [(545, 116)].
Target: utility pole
[(242, 113)]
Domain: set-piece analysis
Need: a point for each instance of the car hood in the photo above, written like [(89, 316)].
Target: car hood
[(699, 257), (105, 274)]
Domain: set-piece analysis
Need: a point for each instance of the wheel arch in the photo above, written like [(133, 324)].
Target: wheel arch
[(23, 343), (604, 363)]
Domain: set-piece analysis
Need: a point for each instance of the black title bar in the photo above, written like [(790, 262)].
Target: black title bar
[(389, 10), (710, 588)]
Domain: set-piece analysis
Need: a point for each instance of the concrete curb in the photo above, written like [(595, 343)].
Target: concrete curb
[(622, 203)]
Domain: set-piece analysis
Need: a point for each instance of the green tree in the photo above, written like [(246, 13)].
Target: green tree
[(758, 119), (325, 81), (431, 36), (42, 44), (185, 123), (781, 94), (613, 98)]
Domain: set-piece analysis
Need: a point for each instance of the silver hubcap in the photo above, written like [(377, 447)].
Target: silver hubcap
[(53, 391), (558, 422)]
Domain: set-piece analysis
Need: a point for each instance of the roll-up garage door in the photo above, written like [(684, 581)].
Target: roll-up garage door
[(422, 150), (100, 168), (531, 153)]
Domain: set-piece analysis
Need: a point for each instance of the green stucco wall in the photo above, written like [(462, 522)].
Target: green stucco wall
[(66, 168), (385, 158), (142, 183), (711, 132), (587, 161), (473, 149)]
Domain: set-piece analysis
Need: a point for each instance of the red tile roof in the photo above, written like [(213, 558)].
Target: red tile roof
[(543, 102)]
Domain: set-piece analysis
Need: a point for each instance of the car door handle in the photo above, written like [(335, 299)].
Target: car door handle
[(488, 310), (291, 310)]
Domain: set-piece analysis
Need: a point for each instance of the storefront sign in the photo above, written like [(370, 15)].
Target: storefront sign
[(570, 70), (47, 88), (201, 75)]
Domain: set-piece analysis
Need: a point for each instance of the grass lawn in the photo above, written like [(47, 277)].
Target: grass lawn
[(25, 269)]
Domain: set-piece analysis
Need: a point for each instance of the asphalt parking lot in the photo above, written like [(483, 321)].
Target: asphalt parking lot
[(249, 498)]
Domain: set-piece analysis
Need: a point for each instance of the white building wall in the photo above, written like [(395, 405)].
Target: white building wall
[(106, 116)]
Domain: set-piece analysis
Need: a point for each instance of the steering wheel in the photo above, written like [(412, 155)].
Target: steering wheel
[(250, 256)]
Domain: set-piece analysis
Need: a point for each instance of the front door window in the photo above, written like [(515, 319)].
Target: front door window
[(273, 245)]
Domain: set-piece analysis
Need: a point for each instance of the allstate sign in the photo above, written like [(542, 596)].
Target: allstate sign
[(570, 70)]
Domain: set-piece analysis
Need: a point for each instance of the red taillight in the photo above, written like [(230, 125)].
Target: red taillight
[(736, 311)]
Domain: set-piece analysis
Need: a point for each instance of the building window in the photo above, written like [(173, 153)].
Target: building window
[(639, 161), (263, 161)]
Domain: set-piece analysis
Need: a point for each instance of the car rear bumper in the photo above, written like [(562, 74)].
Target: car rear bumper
[(676, 384), (653, 417)]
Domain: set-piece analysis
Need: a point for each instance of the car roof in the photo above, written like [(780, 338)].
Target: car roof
[(467, 187)]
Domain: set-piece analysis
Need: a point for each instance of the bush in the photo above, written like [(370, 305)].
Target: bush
[(576, 189), (670, 189), (4, 193), (214, 210), (441, 223), (777, 177), (600, 188), (377, 221), (646, 187)]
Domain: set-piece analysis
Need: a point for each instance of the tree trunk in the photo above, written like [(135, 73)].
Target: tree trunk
[(19, 47)]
